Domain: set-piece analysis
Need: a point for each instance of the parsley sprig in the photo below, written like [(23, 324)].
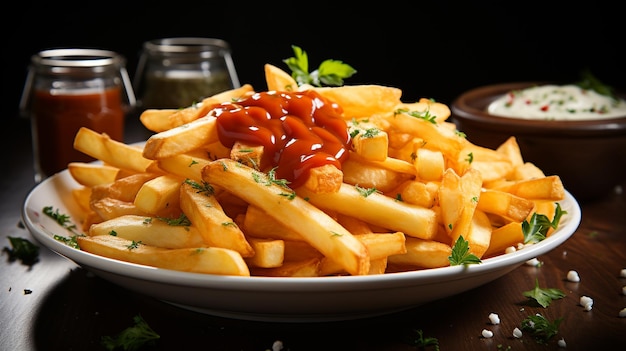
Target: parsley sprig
[(461, 255), (541, 328), (329, 73), (23, 250), (543, 296), (131, 338), (537, 228)]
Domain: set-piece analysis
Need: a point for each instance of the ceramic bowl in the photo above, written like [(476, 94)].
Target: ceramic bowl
[(588, 155)]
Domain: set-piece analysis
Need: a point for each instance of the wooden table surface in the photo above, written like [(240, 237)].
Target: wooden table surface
[(67, 308)]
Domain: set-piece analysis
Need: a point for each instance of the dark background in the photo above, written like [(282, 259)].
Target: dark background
[(433, 49)]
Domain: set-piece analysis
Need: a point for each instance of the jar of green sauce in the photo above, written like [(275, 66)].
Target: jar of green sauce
[(178, 72)]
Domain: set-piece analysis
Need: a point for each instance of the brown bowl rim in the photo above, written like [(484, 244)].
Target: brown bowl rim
[(472, 104)]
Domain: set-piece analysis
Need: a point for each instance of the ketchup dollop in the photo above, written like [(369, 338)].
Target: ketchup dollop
[(298, 131)]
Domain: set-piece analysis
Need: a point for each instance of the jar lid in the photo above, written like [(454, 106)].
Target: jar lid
[(203, 47), (63, 61)]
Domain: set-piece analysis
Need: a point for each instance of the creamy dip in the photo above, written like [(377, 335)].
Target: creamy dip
[(557, 102)]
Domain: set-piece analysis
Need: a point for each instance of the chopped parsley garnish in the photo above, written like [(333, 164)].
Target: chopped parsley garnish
[(182, 220), (131, 338), (543, 296), (203, 188), (541, 328), (23, 250), (537, 228), (425, 115), (62, 219), (417, 339), (461, 255), (365, 192), (329, 73)]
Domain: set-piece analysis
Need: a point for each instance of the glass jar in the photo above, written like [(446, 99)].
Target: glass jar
[(178, 72), (67, 89)]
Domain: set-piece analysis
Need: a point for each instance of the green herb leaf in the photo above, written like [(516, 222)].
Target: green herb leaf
[(132, 338), (460, 253), (541, 328), (537, 228), (23, 250), (421, 342), (544, 296), (329, 73)]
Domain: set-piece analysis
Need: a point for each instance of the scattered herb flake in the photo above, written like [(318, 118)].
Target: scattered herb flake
[(543, 296), (23, 250), (461, 255), (131, 338)]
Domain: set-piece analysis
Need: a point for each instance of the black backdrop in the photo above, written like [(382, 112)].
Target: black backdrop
[(432, 49)]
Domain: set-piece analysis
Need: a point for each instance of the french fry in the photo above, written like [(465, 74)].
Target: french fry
[(377, 209), (302, 268), (162, 120), (315, 226), (268, 253), (111, 152), (362, 100), (150, 231), (257, 223), (507, 205), (278, 80), (209, 260), (503, 237), (92, 174), (160, 196), (181, 139), (545, 188), (423, 254), (458, 198), (206, 213)]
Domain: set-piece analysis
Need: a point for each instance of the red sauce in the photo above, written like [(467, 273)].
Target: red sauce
[(298, 130), (57, 119)]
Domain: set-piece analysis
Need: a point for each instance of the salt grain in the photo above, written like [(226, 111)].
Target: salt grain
[(562, 343), (573, 276), (623, 273), (487, 333), (586, 302), (494, 318), (533, 262), (624, 290), (622, 313), (517, 333)]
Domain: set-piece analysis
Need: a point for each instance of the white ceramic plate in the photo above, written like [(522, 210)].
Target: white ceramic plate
[(279, 299)]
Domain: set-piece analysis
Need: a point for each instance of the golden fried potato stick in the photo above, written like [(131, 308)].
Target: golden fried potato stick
[(546, 188), (268, 253), (161, 120), (302, 268), (111, 152), (210, 260), (423, 253), (206, 214), (279, 80), (377, 209), (314, 225), (458, 198), (182, 139), (150, 231), (362, 100), (160, 196), (507, 205), (91, 174)]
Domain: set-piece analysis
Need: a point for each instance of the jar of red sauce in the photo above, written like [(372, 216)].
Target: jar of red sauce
[(67, 89)]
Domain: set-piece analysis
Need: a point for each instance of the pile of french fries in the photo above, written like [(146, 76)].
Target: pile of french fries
[(407, 192)]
